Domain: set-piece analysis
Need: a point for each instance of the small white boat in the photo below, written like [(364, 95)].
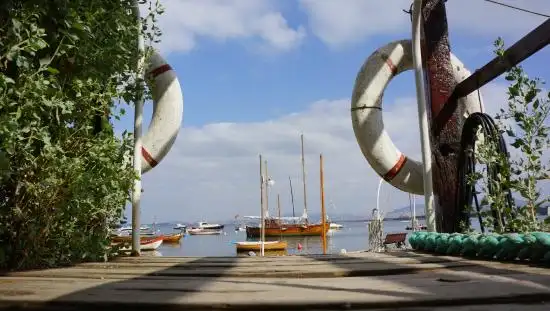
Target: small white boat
[(200, 231), (207, 226), (335, 226), (146, 244), (180, 227)]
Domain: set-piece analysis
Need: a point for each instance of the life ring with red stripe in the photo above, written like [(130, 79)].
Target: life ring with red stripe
[(167, 112), (366, 113)]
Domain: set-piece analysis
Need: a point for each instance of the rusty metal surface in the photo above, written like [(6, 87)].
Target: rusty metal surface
[(521, 50), (437, 58)]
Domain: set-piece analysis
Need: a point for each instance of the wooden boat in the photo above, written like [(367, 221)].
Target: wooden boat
[(274, 229), (199, 231), (275, 226), (172, 238), (146, 243), (256, 246)]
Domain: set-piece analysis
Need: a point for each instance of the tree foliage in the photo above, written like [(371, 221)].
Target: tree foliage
[(64, 174), (524, 122)]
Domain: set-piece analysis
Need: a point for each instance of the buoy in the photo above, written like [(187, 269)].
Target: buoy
[(366, 113), (167, 113), (299, 246)]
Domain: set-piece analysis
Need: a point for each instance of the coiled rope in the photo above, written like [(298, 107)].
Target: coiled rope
[(534, 246), (466, 167)]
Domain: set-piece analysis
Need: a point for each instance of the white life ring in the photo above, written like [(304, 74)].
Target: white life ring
[(366, 113), (167, 113)]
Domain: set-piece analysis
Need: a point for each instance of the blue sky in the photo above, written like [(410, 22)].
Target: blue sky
[(256, 73)]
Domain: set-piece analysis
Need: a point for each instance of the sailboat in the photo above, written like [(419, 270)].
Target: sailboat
[(289, 226), (261, 245)]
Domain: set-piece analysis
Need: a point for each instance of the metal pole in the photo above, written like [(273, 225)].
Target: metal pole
[(378, 199), (262, 210), (304, 176), (266, 180), (422, 115), (138, 119)]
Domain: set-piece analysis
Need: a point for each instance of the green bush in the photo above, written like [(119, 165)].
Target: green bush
[(64, 174), (524, 122)]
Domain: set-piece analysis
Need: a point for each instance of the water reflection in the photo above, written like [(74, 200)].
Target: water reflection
[(353, 237)]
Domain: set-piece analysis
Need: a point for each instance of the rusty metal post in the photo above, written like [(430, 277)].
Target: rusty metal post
[(440, 84)]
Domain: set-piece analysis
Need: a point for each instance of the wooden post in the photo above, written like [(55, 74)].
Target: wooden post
[(323, 212), (521, 50), (440, 84)]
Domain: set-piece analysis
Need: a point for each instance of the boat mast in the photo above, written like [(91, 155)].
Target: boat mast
[(279, 208), (279, 214), (304, 176), (262, 211), (291, 196), (323, 212), (266, 189)]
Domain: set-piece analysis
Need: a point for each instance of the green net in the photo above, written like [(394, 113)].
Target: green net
[(533, 246)]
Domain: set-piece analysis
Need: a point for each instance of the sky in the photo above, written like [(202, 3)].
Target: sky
[(255, 74)]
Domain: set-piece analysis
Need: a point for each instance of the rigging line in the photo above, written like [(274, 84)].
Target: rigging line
[(517, 8)]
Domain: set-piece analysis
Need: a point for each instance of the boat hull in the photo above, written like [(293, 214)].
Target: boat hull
[(172, 238), (203, 232), (288, 230), (146, 243), (257, 246)]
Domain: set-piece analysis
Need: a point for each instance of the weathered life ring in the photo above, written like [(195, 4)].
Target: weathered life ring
[(366, 113), (167, 113)]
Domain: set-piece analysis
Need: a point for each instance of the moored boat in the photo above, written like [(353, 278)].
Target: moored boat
[(180, 227), (274, 228), (172, 238), (200, 231), (146, 243), (257, 246), (207, 226)]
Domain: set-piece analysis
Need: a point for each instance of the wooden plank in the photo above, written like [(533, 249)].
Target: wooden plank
[(386, 281), (437, 289), (521, 50), (440, 83), (286, 272)]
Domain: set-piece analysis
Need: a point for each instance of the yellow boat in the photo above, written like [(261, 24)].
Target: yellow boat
[(172, 238), (257, 246)]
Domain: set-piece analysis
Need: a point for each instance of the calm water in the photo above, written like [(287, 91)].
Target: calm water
[(353, 237)]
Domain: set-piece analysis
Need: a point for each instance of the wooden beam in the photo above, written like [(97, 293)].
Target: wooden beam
[(521, 50), (440, 84)]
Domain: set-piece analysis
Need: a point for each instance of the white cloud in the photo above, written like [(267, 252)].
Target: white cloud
[(340, 23), (185, 21), (213, 171)]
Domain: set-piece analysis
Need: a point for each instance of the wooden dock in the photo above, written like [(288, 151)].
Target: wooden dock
[(360, 281)]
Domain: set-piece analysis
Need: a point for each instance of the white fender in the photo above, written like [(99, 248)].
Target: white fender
[(366, 114), (167, 113)]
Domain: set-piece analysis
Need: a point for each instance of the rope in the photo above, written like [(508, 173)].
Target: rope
[(466, 192), (376, 235), (517, 8), (533, 247)]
